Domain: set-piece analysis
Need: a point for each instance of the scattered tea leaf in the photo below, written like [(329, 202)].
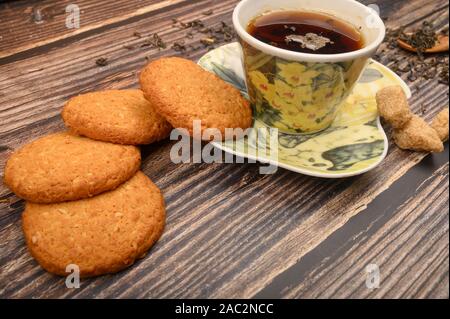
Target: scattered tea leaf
[(129, 47), (158, 42), (213, 35), (204, 30), (154, 41), (208, 41), (423, 109), (443, 76), (146, 43), (101, 62), (179, 47), (414, 66)]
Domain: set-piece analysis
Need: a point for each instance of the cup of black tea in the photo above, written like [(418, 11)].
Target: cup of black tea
[(302, 58)]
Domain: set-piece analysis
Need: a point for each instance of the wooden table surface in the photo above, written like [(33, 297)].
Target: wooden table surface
[(231, 232)]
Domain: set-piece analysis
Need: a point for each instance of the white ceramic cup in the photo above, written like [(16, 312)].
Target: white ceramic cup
[(284, 90)]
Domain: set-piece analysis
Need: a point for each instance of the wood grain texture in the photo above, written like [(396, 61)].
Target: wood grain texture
[(93, 15), (411, 251), (398, 240), (230, 231)]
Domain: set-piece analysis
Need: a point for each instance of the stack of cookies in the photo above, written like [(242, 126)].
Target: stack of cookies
[(87, 203)]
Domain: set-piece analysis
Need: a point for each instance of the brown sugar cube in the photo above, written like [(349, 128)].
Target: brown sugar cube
[(393, 106), (417, 135), (440, 124)]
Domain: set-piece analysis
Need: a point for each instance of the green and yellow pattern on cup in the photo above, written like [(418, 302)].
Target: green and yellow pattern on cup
[(297, 97), (354, 143)]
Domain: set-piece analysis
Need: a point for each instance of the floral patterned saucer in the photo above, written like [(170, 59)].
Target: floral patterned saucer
[(354, 144)]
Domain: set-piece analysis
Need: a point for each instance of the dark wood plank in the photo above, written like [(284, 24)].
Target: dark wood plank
[(408, 230), (230, 231), (410, 250)]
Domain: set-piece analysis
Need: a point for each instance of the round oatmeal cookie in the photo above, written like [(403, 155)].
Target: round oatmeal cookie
[(116, 116), (182, 92), (100, 235), (63, 166)]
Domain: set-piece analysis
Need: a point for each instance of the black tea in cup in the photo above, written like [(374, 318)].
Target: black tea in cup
[(306, 32)]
